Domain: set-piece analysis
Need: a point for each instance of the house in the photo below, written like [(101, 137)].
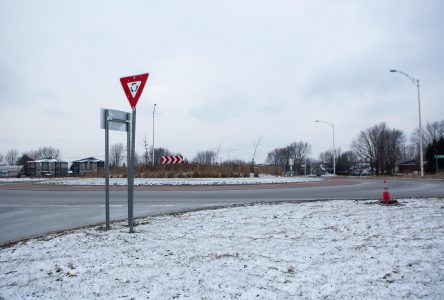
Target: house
[(46, 167), (407, 167), (10, 171), (87, 165)]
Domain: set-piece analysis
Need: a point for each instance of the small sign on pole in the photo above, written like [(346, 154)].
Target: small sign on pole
[(291, 163), (111, 119)]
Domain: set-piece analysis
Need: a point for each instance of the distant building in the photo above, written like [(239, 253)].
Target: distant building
[(87, 165), (407, 167), (10, 171), (46, 167), (361, 169)]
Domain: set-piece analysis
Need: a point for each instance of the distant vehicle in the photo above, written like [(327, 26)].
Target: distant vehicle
[(289, 174)]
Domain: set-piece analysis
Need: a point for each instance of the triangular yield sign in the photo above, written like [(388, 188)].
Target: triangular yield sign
[(133, 87)]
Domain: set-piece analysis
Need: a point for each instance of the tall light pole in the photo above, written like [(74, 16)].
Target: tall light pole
[(154, 110), (416, 83), (334, 151)]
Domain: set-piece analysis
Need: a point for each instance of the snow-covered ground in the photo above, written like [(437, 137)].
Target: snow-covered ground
[(334, 249), (165, 181), (24, 179)]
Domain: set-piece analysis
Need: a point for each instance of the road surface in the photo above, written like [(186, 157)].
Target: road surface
[(28, 213)]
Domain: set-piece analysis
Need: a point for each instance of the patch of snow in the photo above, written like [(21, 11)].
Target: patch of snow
[(328, 175), (329, 249), (22, 179), (179, 181)]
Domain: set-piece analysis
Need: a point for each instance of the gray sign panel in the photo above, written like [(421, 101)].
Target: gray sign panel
[(117, 119)]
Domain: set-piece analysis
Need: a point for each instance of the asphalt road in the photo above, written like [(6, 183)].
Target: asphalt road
[(30, 213)]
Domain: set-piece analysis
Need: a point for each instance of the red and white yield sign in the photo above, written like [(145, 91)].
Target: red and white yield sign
[(133, 87), (171, 159)]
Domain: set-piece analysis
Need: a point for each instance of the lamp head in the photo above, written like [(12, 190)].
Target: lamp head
[(393, 71)]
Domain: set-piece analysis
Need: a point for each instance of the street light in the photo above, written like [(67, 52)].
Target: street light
[(154, 110), (416, 83), (334, 151)]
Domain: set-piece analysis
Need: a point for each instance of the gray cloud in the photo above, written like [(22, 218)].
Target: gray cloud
[(256, 66)]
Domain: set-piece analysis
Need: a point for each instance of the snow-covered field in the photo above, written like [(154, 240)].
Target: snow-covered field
[(335, 249), (164, 181)]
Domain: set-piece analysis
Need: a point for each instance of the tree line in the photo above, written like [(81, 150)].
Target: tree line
[(379, 149), (12, 156)]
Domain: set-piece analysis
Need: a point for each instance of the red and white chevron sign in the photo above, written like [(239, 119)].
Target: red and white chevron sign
[(171, 159)]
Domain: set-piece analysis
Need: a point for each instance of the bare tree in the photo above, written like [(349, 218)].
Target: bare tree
[(408, 152), (44, 153), (380, 146), (278, 156), (117, 152), (435, 131), (345, 162), (297, 151), (364, 147), (205, 157), (145, 159), (11, 157), (49, 152), (255, 150), (1, 158), (393, 139), (432, 132), (158, 153)]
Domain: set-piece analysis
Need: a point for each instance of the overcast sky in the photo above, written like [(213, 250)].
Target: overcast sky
[(223, 73)]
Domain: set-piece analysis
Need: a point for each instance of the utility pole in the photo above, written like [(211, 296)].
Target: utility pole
[(334, 150), (154, 110), (415, 81)]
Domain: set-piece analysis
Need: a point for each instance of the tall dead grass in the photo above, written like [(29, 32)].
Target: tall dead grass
[(190, 170)]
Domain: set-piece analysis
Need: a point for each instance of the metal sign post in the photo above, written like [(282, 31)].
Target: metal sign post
[(122, 121), (128, 164), (133, 87), (131, 174), (107, 168), (114, 120)]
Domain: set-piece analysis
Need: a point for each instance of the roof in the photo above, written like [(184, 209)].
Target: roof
[(49, 160), (88, 159), (409, 163)]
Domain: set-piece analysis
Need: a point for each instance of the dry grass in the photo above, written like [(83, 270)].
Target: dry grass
[(192, 171), (189, 170)]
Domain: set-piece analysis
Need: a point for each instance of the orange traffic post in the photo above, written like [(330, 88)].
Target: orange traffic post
[(385, 194)]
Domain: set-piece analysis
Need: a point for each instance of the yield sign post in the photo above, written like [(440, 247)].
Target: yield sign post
[(133, 87)]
